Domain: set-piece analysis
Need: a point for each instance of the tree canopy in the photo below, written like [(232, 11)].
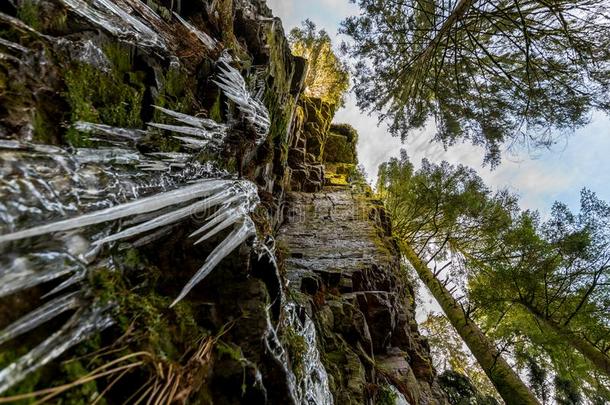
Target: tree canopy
[(538, 290), (516, 72), (327, 76)]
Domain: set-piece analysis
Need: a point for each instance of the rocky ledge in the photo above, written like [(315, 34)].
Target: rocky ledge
[(343, 266)]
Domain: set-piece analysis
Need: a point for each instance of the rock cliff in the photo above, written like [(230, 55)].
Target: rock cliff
[(329, 321), (343, 267)]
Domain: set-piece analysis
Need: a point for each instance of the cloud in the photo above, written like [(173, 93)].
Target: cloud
[(555, 175), (281, 8)]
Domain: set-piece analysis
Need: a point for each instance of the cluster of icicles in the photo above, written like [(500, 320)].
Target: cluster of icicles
[(92, 190), (313, 388)]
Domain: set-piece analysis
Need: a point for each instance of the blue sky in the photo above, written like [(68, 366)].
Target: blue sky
[(559, 174)]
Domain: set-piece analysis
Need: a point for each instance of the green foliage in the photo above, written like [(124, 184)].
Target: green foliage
[(460, 391), (447, 349), (566, 392), (522, 73), (112, 98), (327, 76), (538, 287)]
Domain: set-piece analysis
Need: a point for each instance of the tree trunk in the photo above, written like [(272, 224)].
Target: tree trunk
[(507, 382), (460, 10), (587, 349)]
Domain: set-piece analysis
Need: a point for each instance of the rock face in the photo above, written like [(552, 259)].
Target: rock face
[(312, 121), (244, 334), (343, 265)]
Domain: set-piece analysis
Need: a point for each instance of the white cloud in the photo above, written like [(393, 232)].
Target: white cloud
[(281, 8), (557, 174)]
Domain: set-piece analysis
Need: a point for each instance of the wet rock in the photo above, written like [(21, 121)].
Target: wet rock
[(344, 258)]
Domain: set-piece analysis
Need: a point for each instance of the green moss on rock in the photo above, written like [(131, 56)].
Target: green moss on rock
[(113, 98)]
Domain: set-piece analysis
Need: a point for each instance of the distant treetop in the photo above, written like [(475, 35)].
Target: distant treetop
[(327, 76), (495, 73)]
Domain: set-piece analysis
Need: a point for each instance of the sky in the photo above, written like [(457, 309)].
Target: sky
[(551, 175)]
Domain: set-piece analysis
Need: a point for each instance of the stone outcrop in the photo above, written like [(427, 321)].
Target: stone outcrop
[(312, 122), (340, 265), (343, 265), (341, 144)]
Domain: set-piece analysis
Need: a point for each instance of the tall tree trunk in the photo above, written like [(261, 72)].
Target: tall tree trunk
[(586, 348), (507, 382)]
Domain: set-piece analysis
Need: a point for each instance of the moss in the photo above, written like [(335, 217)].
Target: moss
[(163, 331), (229, 350), (26, 386), (216, 110), (29, 13), (339, 149), (277, 97), (296, 346), (82, 394), (50, 19), (386, 396), (43, 128), (115, 99), (175, 93)]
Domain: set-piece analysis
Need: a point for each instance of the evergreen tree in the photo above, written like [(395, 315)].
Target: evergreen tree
[(539, 289), (521, 72), (434, 209), (327, 76)]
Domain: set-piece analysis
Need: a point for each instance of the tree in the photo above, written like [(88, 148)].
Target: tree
[(327, 76), (461, 391), (450, 355), (432, 209), (550, 282), (521, 72), (538, 289)]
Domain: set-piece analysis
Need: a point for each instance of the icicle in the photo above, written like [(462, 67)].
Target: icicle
[(232, 241), (214, 220), (205, 39), (77, 277), (14, 46), (235, 216), (39, 316), (111, 17), (313, 387), (107, 155), (169, 218), (148, 239), (203, 123), (143, 205), (133, 135), (205, 130), (23, 275), (234, 86), (193, 131), (81, 326)]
